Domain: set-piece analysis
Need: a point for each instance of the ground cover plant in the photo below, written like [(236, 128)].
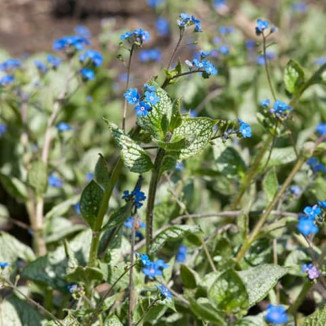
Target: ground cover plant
[(196, 196)]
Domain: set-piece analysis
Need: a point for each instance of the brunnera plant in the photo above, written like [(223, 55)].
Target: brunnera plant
[(151, 255)]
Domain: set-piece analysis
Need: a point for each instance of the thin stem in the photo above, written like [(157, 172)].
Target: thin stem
[(167, 80), (297, 303), (263, 219), (208, 256), (131, 276), (175, 49), (267, 68), (151, 197), (125, 104), (34, 303)]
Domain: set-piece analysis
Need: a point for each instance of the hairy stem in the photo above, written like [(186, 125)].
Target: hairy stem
[(151, 197), (131, 274)]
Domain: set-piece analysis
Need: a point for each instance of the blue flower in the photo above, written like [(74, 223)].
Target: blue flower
[(276, 315), (72, 288), (131, 95), (151, 98), (73, 42), (320, 61), (224, 49), (142, 109), (89, 176), (125, 36), (54, 181), (269, 56), (311, 270), (53, 61), (141, 35), (3, 265), (164, 291), (280, 108), (160, 264), (151, 270), (244, 129), (322, 204), (321, 129), (187, 20), (93, 56), (41, 66), (138, 225), (77, 208), (162, 26), (6, 80), (193, 114), (261, 26), (89, 99), (87, 74), (225, 30), (63, 126), (154, 3), (144, 259), (179, 166), (300, 7), (295, 190), (182, 254), (10, 65), (312, 212), (83, 31), (139, 197), (307, 226), (149, 88), (265, 103), (218, 4), (3, 129), (150, 55), (204, 54), (209, 68), (250, 44)]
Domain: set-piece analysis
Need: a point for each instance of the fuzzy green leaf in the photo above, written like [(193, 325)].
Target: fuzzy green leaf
[(90, 202), (260, 280), (158, 119), (318, 318), (293, 76), (172, 233), (37, 177), (134, 157), (197, 132), (188, 277), (85, 275), (102, 175), (229, 293), (270, 184), (14, 187)]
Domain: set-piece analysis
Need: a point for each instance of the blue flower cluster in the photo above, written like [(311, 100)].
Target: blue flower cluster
[(138, 225), (206, 67), (164, 291), (70, 43), (9, 66), (143, 107), (3, 265), (83, 31), (6, 80), (162, 26), (91, 56), (244, 129), (186, 20), (276, 315), (181, 254), (150, 55), (315, 165), (312, 271), (224, 30), (307, 221), (152, 269), (137, 195), (321, 129), (280, 109), (54, 181), (261, 25), (137, 37)]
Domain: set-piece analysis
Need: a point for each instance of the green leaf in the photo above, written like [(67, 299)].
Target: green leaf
[(279, 156), (172, 233), (37, 177), (318, 318), (134, 157), (228, 292), (204, 310), (293, 76), (188, 277), (11, 249), (176, 118), (14, 187), (197, 132), (260, 280), (172, 146), (257, 320), (112, 320), (85, 275), (270, 184), (90, 202), (52, 268), (158, 119), (62, 208), (17, 312), (102, 175)]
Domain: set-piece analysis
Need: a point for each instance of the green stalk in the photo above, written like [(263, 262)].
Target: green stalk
[(269, 209), (151, 196)]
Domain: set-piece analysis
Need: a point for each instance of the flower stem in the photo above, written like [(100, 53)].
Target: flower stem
[(145, 313), (131, 274), (267, 68), (151, 197), (175, 49)]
